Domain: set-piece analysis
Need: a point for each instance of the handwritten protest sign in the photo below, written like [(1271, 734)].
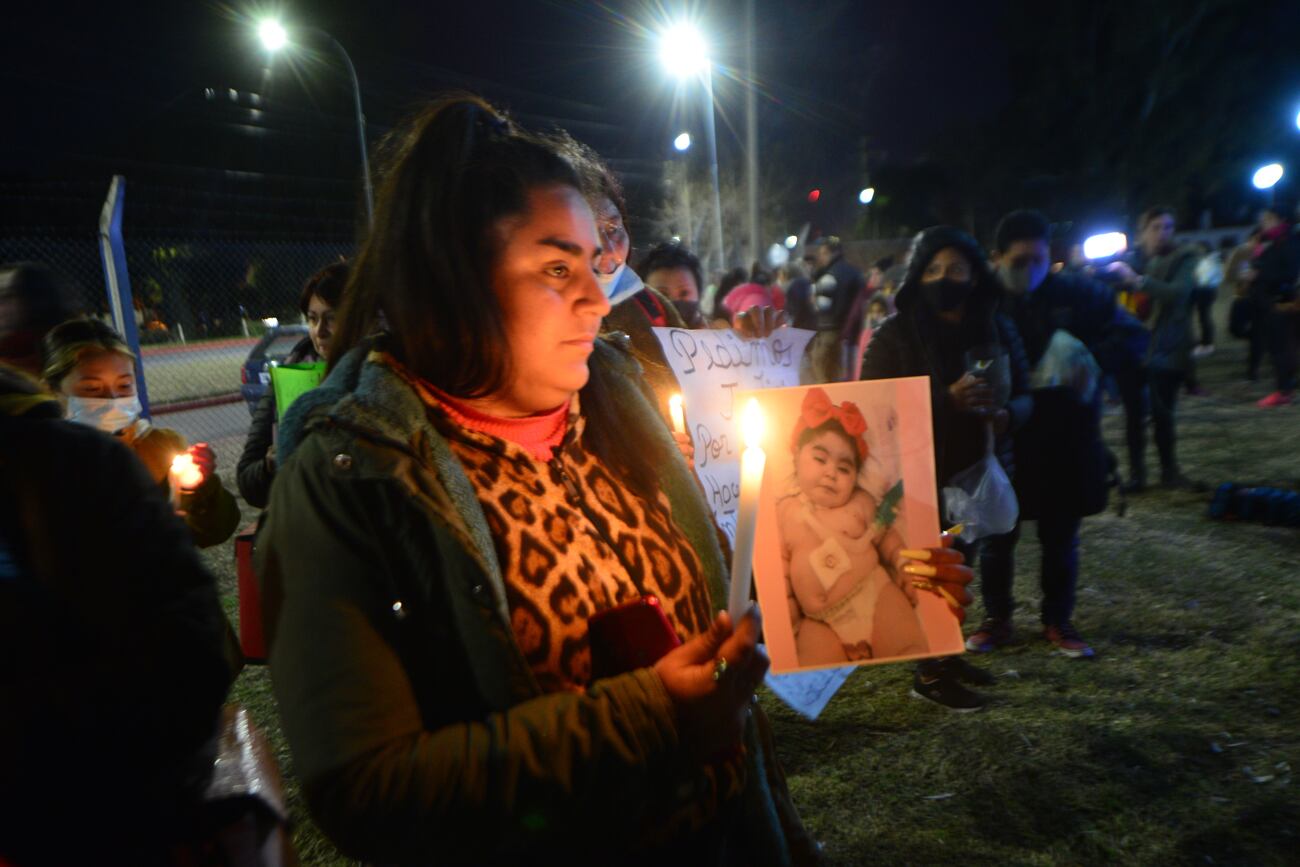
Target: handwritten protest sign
[(713, 367)]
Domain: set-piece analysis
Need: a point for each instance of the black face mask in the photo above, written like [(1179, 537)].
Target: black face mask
[(943, 295), (690, 311)]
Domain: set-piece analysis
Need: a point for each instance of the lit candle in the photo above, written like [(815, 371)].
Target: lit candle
[(678, 414), (185, 476), (752, 460)]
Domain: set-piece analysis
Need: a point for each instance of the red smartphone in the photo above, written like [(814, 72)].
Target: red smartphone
[(629, 636)]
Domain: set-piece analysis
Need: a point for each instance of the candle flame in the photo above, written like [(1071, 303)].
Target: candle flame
[(186, 472), (752, 424), (675, 404)]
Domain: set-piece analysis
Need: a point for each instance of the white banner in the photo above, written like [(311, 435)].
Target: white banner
[(712, 367)]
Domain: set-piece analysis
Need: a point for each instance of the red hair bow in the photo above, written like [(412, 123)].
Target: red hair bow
[(817, 409)]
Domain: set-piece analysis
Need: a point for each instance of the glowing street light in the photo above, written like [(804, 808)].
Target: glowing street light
[(791, 241), (272, 34), (274, 37), (685, 55), (1266, 177), (682, 142), (867, 195), (1297, 119), (683, 51)]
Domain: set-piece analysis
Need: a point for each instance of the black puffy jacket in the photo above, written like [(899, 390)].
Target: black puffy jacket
[(914, 342)]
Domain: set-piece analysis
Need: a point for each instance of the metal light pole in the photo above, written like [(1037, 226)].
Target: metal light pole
[(751, 133), (274, 37), (684, 54), (683, 143)]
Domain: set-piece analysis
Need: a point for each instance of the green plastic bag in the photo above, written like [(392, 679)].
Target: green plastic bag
[(292, 381)]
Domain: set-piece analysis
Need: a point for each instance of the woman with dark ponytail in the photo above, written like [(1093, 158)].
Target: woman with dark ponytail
[(478, 475)]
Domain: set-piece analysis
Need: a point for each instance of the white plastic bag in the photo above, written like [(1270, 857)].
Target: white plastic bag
[(982, 499), (1066, 361)]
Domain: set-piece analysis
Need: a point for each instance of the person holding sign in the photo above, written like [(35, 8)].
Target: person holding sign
[(318, 302), (460, 497), (850, 598), (93, 369)]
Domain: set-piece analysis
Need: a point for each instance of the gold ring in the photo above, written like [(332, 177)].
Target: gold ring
[(719, 667)]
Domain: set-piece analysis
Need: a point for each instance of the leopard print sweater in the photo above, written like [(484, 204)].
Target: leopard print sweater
[(572, 539)]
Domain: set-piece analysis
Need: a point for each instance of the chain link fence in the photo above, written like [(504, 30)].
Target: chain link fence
[(203, 306)]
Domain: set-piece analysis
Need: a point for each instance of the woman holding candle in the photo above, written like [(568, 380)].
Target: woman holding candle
[(455, 501), (93, 369)]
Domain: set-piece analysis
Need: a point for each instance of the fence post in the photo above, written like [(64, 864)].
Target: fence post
[(118, 282)]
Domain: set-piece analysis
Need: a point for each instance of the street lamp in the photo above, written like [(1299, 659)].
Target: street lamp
[(274, 37), (791, 241), (1266, 177), (867, 195), (682, 142), (685, 55)]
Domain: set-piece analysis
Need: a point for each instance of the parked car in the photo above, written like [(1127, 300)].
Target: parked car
[(273, 348)]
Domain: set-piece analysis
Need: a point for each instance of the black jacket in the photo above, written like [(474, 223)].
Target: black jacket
[(113, 639), (254, 472), (909, 344), (1278, 265), (1084, 308), (834, 290)]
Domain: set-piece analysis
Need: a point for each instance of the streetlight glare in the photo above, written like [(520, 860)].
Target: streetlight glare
[(791, 241), (1297, 120), (867, 195), (1267, 176), (682, 142), (272, 34), (683, 51), (1105, 245)]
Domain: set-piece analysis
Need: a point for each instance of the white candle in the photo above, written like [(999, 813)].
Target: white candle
[(678, 414), (752, 460), (185, 476)]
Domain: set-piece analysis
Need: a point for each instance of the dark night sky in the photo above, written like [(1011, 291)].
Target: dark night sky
[(99, 89)]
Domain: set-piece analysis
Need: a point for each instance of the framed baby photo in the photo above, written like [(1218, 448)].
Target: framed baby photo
[(848, 484)]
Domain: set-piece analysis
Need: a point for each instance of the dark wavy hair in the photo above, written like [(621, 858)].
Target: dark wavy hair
[(446, 177), (327, 284)]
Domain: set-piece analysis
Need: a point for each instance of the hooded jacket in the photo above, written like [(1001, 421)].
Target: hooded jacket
[(908, 344), (417, 727)]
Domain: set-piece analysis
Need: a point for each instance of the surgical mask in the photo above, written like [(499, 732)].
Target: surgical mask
[(109, 414), (620, 285), (609, 281), (943, 295), (1022, 279)]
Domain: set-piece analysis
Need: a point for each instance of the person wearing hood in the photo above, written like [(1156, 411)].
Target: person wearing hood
[(836, 285), (93, 370), (1164, 273), (947, 308)]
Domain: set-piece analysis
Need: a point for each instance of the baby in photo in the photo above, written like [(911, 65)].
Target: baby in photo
[(849, 600)]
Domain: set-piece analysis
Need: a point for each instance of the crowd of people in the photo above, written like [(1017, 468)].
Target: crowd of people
[(489, 465)]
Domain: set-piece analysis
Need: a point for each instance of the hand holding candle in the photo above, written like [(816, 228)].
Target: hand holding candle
[(752, 461), (189, 470)]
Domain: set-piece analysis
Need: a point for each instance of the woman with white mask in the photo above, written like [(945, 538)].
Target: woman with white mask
[(93, 371)]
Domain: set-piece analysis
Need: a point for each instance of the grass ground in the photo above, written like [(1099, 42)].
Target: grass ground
[(1174, 746)]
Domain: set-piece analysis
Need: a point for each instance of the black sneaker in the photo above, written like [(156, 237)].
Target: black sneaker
[(945, 691), (959, 668)]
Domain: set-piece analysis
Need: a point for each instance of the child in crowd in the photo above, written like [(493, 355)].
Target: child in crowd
[(848, 597)]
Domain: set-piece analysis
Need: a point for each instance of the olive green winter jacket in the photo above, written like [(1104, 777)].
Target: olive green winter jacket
[(416, 726)]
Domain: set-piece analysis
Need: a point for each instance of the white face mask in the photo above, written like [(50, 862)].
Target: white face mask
[(609, 282), (109, 414)]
